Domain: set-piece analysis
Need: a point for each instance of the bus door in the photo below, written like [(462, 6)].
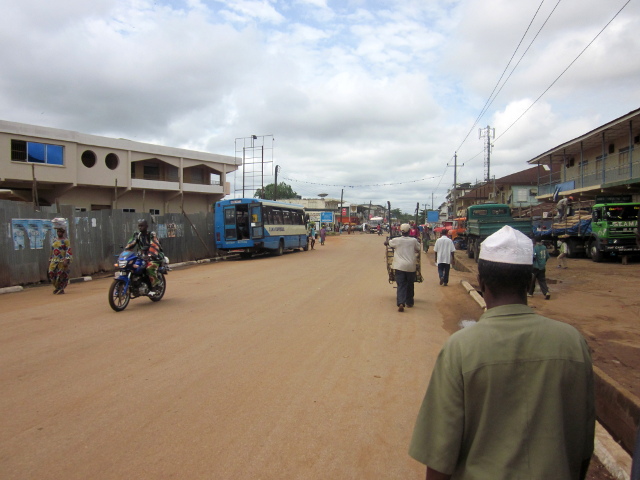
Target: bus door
[(230, 232), (255, 216)]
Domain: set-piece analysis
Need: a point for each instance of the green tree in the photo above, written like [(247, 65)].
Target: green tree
[(284, 191)]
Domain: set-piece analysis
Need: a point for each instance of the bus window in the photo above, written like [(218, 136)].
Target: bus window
[(229, 216), (277, 216), (287, 217), (300, 218), (266, 215)]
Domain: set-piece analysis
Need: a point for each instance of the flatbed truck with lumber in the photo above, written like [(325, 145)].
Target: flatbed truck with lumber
[(607, 230)]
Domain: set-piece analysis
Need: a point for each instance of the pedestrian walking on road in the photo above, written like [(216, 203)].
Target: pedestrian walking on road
[(60, 257), (426, 238), (312, 236), (540, 257), (562, 258), (513, 395), (444, 256), (404, 264), (323, 234)]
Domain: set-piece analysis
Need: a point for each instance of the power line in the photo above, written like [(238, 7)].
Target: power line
[(520, 60), (564, 71), (484, 109)]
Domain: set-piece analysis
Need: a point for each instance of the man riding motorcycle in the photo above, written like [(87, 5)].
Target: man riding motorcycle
[(149, 244)]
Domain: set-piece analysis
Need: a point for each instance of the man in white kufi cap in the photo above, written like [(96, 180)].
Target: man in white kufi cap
[(511, 396)]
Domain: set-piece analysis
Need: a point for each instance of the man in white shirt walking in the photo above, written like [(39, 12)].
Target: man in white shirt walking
[(404, 263), (444, 250)]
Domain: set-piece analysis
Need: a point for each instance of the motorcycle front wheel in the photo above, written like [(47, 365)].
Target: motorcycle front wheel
[(159, 290), (118, 299)]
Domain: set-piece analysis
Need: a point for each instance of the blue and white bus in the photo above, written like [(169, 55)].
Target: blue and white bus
[(251, 225)]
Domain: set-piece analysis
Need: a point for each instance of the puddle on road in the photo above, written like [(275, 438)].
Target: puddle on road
[(466, 323)]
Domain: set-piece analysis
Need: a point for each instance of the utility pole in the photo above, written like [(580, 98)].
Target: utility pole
[(275, 186), (432, 206), (489, 133), (455, 185), (341, 207)]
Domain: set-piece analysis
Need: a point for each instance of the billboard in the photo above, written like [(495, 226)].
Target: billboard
[(326, 217), (432, 216)]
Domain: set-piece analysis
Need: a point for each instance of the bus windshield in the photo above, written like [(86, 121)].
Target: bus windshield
[(621, 212)]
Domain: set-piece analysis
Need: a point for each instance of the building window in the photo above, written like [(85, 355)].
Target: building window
[(154, 211), (129, 210), (18, 150), (173, 173), (88, 158), (151, 172), (112, 161), (81, 209), (197, 175), (33, 152)]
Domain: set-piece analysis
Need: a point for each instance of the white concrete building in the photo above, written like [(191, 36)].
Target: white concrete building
[(94, 172)]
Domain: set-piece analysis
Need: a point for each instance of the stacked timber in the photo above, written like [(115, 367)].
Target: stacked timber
[(574, 219)]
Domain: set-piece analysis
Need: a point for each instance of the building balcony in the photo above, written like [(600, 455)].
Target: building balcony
[(154, 184), (611, 174), (212, 188)]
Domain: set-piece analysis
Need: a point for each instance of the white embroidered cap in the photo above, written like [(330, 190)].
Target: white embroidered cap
[(507, 245), (405, 227)]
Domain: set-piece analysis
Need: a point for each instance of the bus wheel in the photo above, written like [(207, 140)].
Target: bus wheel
[(280, 250)]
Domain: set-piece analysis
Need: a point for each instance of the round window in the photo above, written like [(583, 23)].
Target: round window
[(88, 158), (112, 161)]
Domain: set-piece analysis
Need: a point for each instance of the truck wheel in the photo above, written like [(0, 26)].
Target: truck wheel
[(571, 249), (596, 254), (476, 250), (470, 250)]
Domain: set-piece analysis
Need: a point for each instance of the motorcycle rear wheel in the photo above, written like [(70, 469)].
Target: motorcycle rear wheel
[(118, 300), (160, 290)]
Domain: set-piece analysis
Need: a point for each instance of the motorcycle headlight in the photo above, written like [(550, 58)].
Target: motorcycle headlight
[(122, 263)]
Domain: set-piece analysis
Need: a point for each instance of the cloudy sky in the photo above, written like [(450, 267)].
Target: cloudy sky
[(355, 92)]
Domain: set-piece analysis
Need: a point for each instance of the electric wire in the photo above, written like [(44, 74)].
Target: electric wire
[(564, 71), (484, 109)]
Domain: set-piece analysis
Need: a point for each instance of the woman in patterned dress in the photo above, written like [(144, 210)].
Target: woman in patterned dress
[(60, 258)]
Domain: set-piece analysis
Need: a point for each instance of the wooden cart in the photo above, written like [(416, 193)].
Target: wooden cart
[(392, 272)]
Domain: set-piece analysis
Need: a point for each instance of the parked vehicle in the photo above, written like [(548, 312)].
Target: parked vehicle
[(608, 230), (459, 227), (249, 225), (487, 219), (131, 280)]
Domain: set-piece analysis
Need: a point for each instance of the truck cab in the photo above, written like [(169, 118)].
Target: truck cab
[(613, 230)]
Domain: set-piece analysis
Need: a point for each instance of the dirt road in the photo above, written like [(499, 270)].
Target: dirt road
[(292, 367)]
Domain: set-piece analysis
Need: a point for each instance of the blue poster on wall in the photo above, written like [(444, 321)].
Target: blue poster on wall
[(326, 217)]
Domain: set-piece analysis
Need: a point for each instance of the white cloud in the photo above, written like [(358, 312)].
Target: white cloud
[(355, 93)]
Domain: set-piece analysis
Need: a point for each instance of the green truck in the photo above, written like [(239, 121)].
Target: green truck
[(487, 219), (612, 230), (609, 231)]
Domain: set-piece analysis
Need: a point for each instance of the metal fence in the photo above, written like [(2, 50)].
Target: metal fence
[(96, 238)]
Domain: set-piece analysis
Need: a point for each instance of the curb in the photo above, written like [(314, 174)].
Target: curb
[(615, 459), (80, 280), (474, 294), (15, 289), (200, 262)]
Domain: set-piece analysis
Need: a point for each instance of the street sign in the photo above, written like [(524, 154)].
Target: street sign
[(326, 217)]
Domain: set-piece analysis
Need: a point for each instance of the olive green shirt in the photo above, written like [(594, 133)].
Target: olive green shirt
[(509, 398)]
